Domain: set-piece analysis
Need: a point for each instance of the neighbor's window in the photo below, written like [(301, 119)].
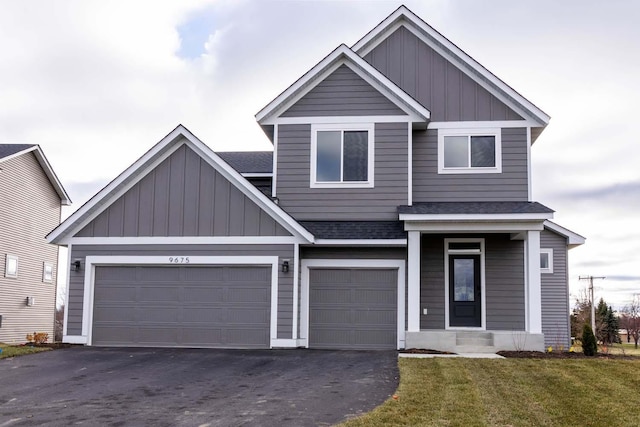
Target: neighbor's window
[(11, 266), (546, 260), (47, 272), (469, 151), (342, 156)]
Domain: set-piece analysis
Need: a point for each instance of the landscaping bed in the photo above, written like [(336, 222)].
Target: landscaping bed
[(561, 355)]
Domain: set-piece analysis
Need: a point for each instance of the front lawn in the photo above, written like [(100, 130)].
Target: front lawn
[(512, 392), (12, 351)]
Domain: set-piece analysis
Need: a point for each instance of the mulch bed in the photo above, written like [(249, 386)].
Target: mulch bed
[(52, 345), (561, 355), (423, 351)]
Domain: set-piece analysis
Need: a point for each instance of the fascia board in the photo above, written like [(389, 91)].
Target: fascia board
[(573, 239), (476, 217), (404, 17), (473, 227)]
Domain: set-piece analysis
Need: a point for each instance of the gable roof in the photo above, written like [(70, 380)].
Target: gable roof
[(342, 55), (249, 162), (10, 151), (152, 158), (573, 239), (404, 17)]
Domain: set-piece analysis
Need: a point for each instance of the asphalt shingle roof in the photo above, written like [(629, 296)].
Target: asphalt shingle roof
[(355, 229), (249, 161), (7, 150), (444, 208)]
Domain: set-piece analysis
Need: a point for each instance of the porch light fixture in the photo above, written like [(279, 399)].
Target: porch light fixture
[(75, 265), (285, 266)]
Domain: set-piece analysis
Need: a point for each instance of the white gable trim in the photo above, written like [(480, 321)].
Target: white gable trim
[(151, 159), (403, 17), (47, 169), (342, 56), (573, 239)]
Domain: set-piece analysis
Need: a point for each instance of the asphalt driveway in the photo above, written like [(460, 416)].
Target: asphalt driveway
[(193, 387)]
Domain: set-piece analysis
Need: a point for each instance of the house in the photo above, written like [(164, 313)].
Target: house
[(395, 211), (31, 197)]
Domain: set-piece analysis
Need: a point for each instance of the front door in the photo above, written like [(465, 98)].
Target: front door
[(465, 299)]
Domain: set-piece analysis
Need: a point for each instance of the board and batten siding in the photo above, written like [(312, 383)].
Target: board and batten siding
[(285, 280), (348, 204), (29, 210), (436, 83), (510, 185), (504, 287), (555, 293), (183, 196), (343, 93)]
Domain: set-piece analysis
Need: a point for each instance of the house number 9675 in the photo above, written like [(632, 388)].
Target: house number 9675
[(179, 259)]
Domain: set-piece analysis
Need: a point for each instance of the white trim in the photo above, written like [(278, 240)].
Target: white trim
[(533, 282), (92, 261), (549, 268), (529, 182), (274, 179), (432, 38), (409, 164), (481, 124), (284, 343), (132, 175), (477, 217), (413, 281), (332, 127), (351, 263), (257, 174), (464, 227), (573, 239), (66, 299), (342, 119), (360, 242), (342, 55), (494, 132), (185, 240), (74, 339), (296, 287), (8, 258), (483, 293)]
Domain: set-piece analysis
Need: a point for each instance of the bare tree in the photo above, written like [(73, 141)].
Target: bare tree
[(630, 319)]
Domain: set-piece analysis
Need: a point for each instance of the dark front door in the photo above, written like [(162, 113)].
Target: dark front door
[(465, 300)]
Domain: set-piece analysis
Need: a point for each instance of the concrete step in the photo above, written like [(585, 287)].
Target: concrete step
[(467, 349), (478, 339)]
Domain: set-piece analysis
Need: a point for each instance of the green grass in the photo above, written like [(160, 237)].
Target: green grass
[(13, 351), (511, 392)]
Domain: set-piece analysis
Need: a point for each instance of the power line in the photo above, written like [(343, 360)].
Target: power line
[(593, 305)]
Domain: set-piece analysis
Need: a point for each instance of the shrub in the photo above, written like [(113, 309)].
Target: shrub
[(38, 337), (589, 344)]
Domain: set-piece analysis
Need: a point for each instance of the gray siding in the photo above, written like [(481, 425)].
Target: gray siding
[(285, 280), (510, 185), (504, 287), (555, 292), (433, 81), (378, 203), (343, 93), (183, 196), (29, 210)]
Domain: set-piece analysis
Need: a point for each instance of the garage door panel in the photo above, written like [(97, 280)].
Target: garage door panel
[(115, 293), (329, 294), (242, 274), (116, 273), (159, 314), (158, 335), (320, 316), (204, 274), (374, 317), (247, 295), (152, 294), (375, 295), (158, 274), (107, 313), (204, 295)]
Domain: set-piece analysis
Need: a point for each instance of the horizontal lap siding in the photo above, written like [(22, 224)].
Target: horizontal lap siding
[(343, 93), (441, 87), (183, 196), (29, 210), (285, 280), (555, 292), (510, 185), (432, 296), (378, 203)]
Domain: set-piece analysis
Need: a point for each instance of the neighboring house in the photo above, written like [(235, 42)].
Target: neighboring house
[(394, 212), (31, 197)]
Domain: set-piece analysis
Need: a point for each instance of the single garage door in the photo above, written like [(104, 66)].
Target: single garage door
[(187, 306), (353, 308)]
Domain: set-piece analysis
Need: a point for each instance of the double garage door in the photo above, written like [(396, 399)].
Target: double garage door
[(182, 306)]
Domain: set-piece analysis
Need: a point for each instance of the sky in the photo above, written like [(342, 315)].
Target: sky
[(97, 83)]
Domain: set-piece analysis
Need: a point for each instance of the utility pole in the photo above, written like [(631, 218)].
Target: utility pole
[(593, 303)]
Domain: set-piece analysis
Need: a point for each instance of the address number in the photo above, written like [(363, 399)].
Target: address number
[(179, 259)]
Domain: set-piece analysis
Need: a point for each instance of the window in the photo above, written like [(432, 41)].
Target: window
[(546, 260), (341, 156), (469, 151), (11, 266), (47, 272)]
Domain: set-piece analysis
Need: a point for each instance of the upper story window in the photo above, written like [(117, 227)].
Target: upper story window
[(11, 266), (546, 260), (469, 151), (341, 156)]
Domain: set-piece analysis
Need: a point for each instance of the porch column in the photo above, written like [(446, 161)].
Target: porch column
[(534, 289), (413, 279)]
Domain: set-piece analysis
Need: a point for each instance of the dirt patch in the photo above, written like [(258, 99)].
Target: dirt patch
[(561, 355), (423, 351)]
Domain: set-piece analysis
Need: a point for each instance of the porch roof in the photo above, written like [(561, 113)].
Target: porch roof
[(355, 229), (474, 208)]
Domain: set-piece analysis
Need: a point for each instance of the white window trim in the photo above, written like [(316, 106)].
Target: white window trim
[(369, 127), (44, 272), (495, 132), (549, 253), (483, 299), (6, 266)]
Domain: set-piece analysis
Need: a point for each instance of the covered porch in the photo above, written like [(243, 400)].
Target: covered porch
[(473, 276)]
